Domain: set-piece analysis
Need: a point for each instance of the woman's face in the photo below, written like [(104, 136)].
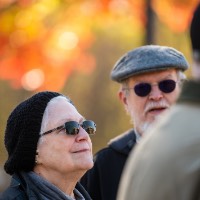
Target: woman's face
[(58, 151)]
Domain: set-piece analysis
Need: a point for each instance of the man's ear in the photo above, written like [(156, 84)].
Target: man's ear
[(122, 97)]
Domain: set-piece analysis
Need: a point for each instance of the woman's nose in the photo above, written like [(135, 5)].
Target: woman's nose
[(82, 135)]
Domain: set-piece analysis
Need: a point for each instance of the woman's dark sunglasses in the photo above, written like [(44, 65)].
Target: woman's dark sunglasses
[(143, 89), (72, 127)]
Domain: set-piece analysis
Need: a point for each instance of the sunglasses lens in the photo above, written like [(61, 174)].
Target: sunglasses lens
[(72, 128), (89, 126), (167, 86), (142, 89)]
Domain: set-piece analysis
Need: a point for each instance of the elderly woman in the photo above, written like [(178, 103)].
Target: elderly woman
[(49, 149)]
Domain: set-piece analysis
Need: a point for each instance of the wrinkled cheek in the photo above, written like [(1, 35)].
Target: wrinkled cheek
[(90, 143), (174, 98), (91, 162), (137, 117), (131, 113)]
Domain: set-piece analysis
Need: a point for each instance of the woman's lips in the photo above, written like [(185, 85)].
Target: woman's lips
[(81, 151)]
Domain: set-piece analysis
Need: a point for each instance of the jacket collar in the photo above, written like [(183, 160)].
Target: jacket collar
[(17, 181), (124, 142)]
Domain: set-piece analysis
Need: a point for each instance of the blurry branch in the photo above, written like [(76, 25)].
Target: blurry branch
[(8, 6)]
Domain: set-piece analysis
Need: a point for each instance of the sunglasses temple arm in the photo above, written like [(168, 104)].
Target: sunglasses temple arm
[(55, 129)]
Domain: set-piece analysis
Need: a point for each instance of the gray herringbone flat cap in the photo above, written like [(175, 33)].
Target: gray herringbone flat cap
[(148, 58)]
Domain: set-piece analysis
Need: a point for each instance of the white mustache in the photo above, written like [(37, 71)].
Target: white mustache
[(155, 105)]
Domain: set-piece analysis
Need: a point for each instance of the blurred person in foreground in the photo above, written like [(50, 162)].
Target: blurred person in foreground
[(49, 149), (150, 78), (166, 164)]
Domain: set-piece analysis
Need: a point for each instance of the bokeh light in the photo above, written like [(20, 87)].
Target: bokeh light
[(33, 79), (67, 40)]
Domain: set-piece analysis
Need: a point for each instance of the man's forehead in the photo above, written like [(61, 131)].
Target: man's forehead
[(161, 74), (158, 72)]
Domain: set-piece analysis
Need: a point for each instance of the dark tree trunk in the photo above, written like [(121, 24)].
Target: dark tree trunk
[(150, 25)]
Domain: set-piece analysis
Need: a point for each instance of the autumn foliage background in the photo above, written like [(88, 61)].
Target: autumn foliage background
[(71, 46)]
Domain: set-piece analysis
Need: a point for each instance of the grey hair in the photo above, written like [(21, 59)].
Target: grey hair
[(45, 119), (180, 75)]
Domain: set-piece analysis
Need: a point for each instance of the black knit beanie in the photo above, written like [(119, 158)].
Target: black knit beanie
[(195, 33), (22, 132)]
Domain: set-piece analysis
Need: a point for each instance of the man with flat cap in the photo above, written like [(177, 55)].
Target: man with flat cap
[(166, 163), (150, 80)]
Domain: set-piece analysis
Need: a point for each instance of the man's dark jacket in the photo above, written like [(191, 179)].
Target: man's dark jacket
[(102, 181), (18, 190)]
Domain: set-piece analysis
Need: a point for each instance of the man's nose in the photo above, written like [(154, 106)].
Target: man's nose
[(156, 94)]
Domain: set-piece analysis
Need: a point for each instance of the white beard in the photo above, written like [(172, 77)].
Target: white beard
[(143, 128)]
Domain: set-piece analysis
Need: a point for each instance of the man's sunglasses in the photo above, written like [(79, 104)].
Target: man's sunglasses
[(72, 127), (143, 89)]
